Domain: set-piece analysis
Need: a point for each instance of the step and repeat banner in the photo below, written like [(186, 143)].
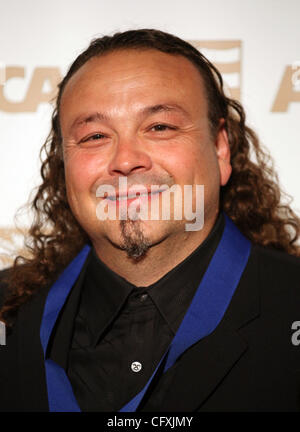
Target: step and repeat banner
[(256, 46)]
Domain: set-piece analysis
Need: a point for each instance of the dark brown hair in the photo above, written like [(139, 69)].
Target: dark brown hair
[(252, 198)]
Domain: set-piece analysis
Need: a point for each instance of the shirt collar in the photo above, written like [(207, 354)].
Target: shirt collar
[(104, 292)]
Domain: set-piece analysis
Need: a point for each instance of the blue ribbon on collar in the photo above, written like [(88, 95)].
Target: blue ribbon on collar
[(202, 317)]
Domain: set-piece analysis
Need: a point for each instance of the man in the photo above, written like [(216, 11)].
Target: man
[(131, 313)]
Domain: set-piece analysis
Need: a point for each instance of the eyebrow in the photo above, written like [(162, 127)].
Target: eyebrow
[(98, 116)]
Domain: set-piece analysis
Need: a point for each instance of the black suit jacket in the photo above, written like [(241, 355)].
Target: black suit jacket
[(249, 363)]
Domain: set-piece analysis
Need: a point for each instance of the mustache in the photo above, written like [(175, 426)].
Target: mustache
[(136, 179)]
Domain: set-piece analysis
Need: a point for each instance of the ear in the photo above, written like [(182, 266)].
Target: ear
[(223, 153)]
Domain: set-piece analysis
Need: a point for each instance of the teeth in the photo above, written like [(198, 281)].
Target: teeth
[(130, 196), (134, 195), (113, 198)]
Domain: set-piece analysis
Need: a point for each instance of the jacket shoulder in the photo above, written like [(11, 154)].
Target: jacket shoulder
[(271, 254), (277, 265), (279, 280)]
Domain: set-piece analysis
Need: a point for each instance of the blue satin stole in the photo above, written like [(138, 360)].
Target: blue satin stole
[(206, 310)]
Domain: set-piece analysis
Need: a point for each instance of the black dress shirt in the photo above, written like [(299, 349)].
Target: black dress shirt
[(121, 331)]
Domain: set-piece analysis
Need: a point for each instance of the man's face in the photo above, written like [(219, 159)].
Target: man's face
[(140, 115)]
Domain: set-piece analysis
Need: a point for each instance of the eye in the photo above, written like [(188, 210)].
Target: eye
[(161, 127), (95, 137)]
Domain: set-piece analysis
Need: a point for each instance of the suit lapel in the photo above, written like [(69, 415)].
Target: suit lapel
[(31, 359), (202, 367), (33, 392), (199, 370)]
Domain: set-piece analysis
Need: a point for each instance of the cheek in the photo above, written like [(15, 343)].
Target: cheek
[(192, 164), (81, 171), (206, 163)]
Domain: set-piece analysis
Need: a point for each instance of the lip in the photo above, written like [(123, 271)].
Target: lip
[(134, 194)]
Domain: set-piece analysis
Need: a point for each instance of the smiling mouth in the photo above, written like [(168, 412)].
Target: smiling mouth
[(133, 195)]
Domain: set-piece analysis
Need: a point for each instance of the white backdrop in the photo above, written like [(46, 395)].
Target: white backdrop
[(37, 35)]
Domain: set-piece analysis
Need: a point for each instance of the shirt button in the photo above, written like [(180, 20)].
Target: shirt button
[(136, 366), (143, 297)]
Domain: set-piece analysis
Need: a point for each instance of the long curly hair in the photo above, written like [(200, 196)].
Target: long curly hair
[(252, 198)]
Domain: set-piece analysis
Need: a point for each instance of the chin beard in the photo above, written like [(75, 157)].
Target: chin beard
[(134, 242)]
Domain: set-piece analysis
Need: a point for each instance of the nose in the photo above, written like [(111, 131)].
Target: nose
[(129, 157)]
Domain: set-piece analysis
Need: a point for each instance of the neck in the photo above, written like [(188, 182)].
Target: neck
[(159, 259)]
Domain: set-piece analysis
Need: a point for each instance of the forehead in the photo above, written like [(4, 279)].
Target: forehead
[(129, 74)]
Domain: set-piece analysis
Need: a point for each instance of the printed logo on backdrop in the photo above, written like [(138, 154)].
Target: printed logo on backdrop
[(42, 87), (289, 89), (11, 244), (226, 55)]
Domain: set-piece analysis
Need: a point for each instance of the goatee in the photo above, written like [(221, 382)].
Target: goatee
[(134, 242)]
